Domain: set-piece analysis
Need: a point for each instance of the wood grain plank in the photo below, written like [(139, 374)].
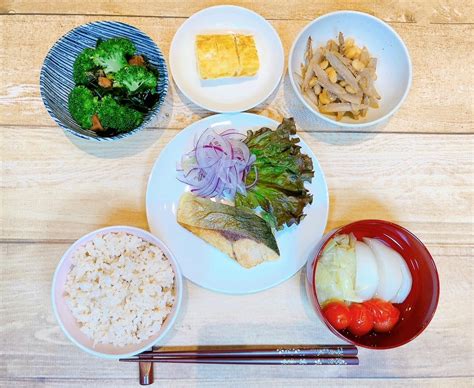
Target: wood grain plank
[(59, 187), (33, 347), (443, 11), (433, 106)]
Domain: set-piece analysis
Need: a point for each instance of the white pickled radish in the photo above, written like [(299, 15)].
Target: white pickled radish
[(390, 272), (407, 282), (367, 275)]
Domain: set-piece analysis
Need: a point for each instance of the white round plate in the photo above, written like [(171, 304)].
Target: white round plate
[(202, 263), (227, 95)]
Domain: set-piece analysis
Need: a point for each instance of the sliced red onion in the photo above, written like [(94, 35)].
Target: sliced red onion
[(217, 165)]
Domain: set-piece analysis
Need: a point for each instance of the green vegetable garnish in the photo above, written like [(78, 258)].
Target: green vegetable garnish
[(135, 78), (111, 54), (112, 115), (82, 105), (280, 171)]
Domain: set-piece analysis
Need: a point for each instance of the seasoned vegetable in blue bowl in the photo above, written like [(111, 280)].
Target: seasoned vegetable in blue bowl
[(104, 81)]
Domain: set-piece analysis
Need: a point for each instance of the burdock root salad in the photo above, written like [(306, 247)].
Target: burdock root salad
[(115, 87)]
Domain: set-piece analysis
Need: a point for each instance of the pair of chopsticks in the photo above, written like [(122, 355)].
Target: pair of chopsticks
[(246, 355)]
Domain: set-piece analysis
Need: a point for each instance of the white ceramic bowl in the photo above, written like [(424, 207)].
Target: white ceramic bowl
[(394, 69), (67, 321)]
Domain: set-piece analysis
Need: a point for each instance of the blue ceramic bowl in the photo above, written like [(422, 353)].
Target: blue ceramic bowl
[(56, 74)]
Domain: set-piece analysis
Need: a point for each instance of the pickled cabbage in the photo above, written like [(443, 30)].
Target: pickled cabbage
[(336, 270)]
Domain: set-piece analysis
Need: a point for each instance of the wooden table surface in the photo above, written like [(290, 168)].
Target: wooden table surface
[(416, 171)]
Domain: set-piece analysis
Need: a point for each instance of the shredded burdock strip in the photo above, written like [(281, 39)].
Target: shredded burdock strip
[(363, 112), (365, 56), (342, 70), (316, 58), (366, 83), (336, 89), (312, 97), (298, 79), (343, 59), (340, 37), (308, 54), (342, 107)]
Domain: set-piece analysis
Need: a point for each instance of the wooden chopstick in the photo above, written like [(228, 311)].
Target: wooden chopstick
[(267, 351), (245, 355), (250, 360)]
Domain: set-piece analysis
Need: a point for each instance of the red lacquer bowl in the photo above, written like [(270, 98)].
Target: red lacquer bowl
[(420, 305)]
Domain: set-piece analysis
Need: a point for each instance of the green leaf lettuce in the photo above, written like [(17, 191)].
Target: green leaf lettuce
[(280, 171)]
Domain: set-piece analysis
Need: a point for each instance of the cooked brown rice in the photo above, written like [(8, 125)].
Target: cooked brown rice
[(120, 289)]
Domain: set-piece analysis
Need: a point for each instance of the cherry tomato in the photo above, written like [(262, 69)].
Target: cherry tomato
[(338, 315), (362, 319), (386, 315)]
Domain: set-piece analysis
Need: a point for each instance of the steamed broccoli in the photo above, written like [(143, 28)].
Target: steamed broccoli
[(124, 45), (84, 66), (82, 105), (112, 115), (135, 78), (111, 54)]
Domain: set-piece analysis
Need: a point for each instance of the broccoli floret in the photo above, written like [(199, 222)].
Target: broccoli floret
[(82, 106), (124, 45), (84, 66), (135, 78), (112, 115), (110, 61), (111, 54)]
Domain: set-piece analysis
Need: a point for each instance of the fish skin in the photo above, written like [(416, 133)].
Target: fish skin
[(239, 233)]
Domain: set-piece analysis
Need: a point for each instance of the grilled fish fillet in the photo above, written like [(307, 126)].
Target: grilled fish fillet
[(239, 233)]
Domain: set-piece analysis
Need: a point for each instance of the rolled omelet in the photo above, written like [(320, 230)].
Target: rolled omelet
[(248, 55), (239, 233), (217, 56), (226, 56)]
